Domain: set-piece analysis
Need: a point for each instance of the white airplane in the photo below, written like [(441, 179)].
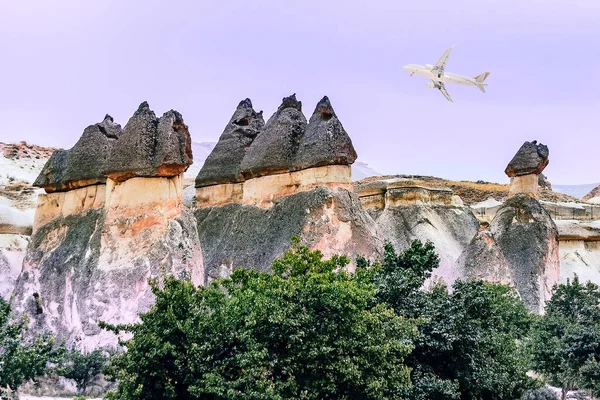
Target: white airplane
[(439, 76)]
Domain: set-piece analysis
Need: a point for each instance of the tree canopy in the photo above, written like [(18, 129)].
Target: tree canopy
[(566, 340), (20, 359), (309, 330), (471, 340)]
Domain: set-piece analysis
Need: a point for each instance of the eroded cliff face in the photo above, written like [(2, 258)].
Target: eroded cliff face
[(521, 246), (12, 253), (404, 212), (579, 250), (246, 236), (98, 240)]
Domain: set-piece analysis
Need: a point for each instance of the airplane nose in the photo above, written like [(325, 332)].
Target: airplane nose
[(405, 67)]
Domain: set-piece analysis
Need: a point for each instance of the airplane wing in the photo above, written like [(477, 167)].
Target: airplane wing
[(445, 92), (441, 64)]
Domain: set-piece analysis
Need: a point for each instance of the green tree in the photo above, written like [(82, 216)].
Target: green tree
[(309, 330), (82, 367), (20, 360), (471, 341), (566, 340)]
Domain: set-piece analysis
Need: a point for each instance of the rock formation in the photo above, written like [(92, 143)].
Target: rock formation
[(220, 180), (151, 147), (15, 227), (274, 149), (245, 236), (524, 168), (325, 141), (579, 250), (84, 164), (289, 155), (593, 196), (94, 247), (544, 183), (521, 245), (12, 252), (296, 181), (404, 211)]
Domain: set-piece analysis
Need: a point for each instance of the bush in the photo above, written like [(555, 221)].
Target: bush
[(83, 368), (566, 340), (20, 360)]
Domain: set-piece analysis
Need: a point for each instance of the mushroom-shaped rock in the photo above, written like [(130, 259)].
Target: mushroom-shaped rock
[(151, 147), (223, 163), (325, 141), (531, 158), (274, 149), (84, 163)]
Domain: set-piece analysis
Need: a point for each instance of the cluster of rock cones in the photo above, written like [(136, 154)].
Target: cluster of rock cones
[(113, 216)]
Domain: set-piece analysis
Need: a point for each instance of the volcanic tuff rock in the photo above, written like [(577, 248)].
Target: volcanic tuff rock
[(579, 250), (223, 163), (243, 236), (150, 146), (404, 211), (84, 163), (274, 149), (325, 141), (12, 252), (531, 158), (93, 248), (91, 267), (520, 247), (544, 183)]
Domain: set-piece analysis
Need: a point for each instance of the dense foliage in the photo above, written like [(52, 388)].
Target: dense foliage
[(20, 360), (471, 341), (566, 339), (309, 330), (83, 368)]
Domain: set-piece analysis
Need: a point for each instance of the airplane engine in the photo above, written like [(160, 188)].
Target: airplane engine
[(432, 85), (429, 66)]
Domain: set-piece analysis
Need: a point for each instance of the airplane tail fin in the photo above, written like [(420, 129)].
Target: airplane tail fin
[(482, 77)]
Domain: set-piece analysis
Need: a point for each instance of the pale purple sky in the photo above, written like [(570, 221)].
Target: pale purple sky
[(65, 63)]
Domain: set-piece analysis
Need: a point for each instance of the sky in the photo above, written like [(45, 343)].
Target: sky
[(66, 63)]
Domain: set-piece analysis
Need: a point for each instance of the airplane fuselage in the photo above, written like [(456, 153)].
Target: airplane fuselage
[(447, 77)]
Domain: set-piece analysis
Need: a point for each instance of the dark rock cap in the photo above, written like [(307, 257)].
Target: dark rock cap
[(325, 141), (84, 163), (151, 147), (223, 163), (531, 158), (274, 149)]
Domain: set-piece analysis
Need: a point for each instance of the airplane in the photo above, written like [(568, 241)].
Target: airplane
[(439, 76)]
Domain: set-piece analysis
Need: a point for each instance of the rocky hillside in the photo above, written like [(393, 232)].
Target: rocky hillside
[(475, 192), (593, 196)]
